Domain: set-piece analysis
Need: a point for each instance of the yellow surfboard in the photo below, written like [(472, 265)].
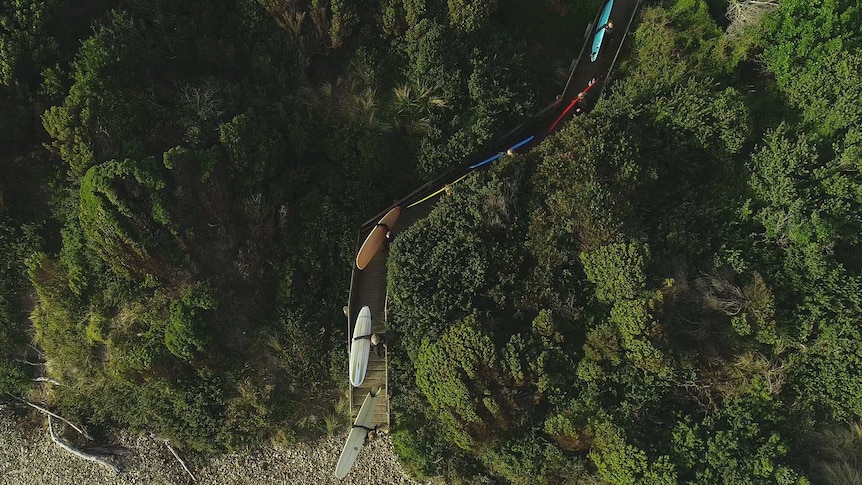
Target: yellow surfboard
[(442, 189), (375, 238)]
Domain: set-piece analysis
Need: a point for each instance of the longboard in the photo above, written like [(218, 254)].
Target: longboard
[(573, 104), (483, 162), (600, 30), (356, 438), (375, 238), (442, 189), (498, 155), (360, 347)]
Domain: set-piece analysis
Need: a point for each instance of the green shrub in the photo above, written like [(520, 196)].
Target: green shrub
[(186, 334), (621, 463), (469, 15), (617, 270), (458, 375)]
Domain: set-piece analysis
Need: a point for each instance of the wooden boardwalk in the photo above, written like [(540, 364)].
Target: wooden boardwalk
[(368, 286)]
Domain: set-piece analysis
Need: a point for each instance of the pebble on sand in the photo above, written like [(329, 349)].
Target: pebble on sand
[(27, 457)]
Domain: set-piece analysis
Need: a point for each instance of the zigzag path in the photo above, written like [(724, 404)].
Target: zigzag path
[(368, 286)]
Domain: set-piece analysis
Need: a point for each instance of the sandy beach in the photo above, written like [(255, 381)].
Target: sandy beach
[(29, 457)]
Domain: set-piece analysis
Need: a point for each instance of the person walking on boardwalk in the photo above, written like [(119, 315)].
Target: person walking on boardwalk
[(372, 433), (388, 235), (385, 228), (581, 100), (378, 343)]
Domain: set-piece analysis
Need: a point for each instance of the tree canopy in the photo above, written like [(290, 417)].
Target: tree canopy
[(683, 256), (665, 290)]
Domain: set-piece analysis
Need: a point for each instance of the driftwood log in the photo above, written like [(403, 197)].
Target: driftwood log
[(78, 453), (62, 444), (49, 380), (105, 450)]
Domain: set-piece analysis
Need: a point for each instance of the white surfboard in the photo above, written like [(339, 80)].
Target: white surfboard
[(356, 438), (360, 347)]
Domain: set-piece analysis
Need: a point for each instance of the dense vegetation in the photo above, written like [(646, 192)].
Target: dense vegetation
[(667, 290), (182, 183)]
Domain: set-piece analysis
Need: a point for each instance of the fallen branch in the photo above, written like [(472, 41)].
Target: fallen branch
[(49, 413), (48, 380), (37, 350), (78, 453), (177, 456)]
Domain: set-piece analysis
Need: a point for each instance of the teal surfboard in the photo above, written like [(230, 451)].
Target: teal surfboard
[(600, 30)]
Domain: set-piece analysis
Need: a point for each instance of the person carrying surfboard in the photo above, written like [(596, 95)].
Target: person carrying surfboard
[(388, 237), (372, 433), (377, 431), (581, 100), (378, 343)]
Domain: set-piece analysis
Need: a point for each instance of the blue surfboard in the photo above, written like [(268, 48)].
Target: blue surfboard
[(496, 156), (600, 30)]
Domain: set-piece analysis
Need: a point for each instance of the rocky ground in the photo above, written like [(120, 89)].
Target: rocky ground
[(28, 456)]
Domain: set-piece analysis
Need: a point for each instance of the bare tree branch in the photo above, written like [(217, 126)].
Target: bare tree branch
[(49, 413), (177, 456), (78, 453), (37, 350)]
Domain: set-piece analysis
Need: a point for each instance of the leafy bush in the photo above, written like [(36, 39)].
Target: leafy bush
[(469, 15), (186, 333), (458, 375), (619, 462), (617, 270)]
